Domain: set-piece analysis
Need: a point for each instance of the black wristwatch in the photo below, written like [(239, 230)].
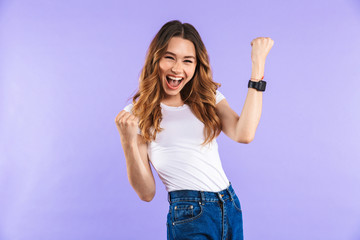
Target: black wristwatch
[(260, 86)]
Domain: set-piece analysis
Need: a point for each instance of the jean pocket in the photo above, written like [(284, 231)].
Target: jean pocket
[(236, 203), (186, 211)]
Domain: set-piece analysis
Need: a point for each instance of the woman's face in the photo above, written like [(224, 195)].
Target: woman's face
[(177, 66)]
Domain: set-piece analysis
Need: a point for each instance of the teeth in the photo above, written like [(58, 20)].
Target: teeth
[(176, 79)]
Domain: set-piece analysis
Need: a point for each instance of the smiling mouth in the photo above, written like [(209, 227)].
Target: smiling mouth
[(173, 84)]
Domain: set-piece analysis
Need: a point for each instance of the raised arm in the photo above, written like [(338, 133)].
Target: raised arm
[(242, 128), (137, 162)]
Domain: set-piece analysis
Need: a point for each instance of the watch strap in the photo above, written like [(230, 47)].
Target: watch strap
[(260, 86)]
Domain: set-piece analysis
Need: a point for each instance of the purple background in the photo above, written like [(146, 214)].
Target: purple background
[(68, 67)]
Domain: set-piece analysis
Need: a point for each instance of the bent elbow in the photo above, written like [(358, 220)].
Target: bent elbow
[(147, 198), (246, 140)]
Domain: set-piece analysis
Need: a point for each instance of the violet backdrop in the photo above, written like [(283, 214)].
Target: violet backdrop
[(68, 67)]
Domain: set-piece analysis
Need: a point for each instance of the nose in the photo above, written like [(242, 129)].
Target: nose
[(176, 68)]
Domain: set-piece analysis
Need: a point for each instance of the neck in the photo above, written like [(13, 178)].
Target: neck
[(173, 101)]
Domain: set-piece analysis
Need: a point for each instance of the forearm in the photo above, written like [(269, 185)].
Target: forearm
[(139, 173), (251, 112)]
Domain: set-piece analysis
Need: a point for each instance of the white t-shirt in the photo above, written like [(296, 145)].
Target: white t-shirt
[(177, 155)]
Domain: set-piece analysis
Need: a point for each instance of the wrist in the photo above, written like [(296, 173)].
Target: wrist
[(257, 71), (253, 79), (256, 78), (258, 85), (129, 143)]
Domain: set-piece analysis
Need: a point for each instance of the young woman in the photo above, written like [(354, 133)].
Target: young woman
[(173, 122)]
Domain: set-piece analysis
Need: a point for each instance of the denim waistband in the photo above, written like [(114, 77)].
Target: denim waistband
[(203, 196)]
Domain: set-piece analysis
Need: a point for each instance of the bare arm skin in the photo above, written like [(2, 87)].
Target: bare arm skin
[(138, 166), (242, 128)]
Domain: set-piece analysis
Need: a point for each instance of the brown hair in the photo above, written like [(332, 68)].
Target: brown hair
[(199, 93)]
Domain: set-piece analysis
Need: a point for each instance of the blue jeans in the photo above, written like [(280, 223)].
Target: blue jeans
[(204, 215)]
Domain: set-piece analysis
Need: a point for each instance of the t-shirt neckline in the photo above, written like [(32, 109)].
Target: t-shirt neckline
[(164, 106)]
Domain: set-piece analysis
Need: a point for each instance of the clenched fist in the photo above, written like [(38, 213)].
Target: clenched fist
[(260, 48), (127, 125)]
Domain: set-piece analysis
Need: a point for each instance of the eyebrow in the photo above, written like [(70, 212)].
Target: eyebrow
[(175, 55)]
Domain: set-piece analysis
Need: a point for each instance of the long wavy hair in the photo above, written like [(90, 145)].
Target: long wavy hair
[(199, 93)]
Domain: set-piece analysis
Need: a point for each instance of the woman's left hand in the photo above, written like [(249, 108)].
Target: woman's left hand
[(260, 48)]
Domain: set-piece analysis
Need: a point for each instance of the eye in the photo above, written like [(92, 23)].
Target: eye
[(169, 57), (188, 61)]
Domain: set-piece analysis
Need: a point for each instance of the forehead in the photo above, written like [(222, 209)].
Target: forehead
[(181, 47)]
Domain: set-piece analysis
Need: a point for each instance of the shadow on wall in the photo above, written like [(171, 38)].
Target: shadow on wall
[(356, 4), (357, 234), (3, 5)]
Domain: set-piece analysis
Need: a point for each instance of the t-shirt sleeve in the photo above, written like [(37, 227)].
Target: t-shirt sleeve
[(219, 96), (128, 108)]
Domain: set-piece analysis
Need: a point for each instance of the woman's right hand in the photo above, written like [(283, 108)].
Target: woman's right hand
[(127, 125)]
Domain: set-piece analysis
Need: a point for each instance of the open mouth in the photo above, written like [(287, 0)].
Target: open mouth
[(173, 83)]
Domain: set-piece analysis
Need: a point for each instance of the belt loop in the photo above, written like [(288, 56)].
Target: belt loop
[(230, 193), (202, 198)]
